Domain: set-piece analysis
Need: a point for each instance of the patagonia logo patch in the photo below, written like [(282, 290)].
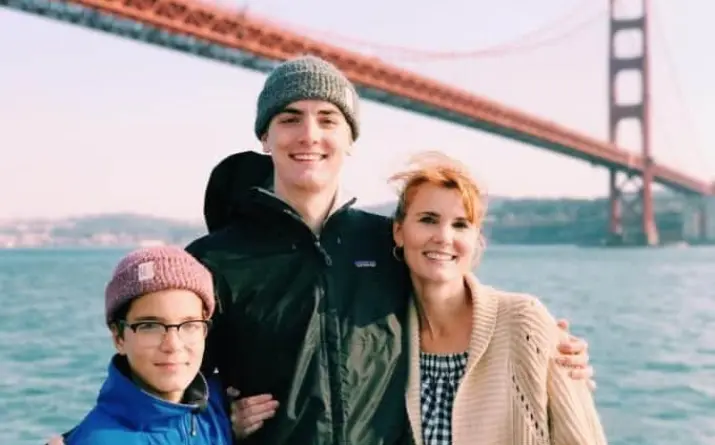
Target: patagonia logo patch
[(365, 263)]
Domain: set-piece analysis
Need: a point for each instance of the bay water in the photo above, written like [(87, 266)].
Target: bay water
[(648, 315)]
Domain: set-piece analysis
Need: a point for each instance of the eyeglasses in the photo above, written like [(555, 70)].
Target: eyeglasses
[(152, 333)]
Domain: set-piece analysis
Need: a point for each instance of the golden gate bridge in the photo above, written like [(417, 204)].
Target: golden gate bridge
[(244, 40)]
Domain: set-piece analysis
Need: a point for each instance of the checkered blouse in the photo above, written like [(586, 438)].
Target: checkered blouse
[(440, 378)]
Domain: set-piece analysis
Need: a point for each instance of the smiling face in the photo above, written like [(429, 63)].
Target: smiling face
[(164, 363), (439, 241), (438, 220), (308, 142)]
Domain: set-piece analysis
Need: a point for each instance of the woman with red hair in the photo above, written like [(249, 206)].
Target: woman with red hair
[(482, 368)]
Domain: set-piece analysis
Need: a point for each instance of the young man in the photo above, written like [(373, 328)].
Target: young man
[(312, 303), (158, 305)]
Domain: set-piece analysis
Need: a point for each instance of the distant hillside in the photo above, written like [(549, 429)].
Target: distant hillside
[(509, 221), (98, 230), (560, 221)]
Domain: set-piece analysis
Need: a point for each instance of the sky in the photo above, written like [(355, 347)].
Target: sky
[(91, 122)]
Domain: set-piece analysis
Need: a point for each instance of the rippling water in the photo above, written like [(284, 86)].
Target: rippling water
[(649, 317)]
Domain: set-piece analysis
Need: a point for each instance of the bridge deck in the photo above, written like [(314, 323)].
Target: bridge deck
[(229, 37)]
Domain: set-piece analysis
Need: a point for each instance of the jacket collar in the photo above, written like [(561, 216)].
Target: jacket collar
[(342, 197), (267, 197), (124, 399)]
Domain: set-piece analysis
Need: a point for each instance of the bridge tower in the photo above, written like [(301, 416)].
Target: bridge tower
[(632, 217)]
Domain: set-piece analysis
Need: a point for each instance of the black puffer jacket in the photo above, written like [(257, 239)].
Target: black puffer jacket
[(319, 322)]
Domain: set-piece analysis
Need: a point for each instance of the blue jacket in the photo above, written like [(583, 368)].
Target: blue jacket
[(127, 415)]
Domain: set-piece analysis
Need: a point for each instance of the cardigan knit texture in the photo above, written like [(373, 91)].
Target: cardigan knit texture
[(512, 392)]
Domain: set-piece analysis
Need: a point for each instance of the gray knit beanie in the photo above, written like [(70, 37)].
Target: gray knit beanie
[(304, 78)]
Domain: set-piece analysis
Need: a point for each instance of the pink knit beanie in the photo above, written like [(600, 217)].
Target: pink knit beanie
[(155, 269)]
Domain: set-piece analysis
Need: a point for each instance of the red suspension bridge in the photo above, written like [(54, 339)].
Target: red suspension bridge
[(240, 39)]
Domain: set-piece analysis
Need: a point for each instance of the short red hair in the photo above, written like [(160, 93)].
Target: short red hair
[(441, 170)]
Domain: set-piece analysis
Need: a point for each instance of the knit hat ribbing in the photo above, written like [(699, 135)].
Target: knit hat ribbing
[(155, 269), (305, 78)]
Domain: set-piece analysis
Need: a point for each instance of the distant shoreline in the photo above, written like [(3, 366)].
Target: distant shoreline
[(521, 222)]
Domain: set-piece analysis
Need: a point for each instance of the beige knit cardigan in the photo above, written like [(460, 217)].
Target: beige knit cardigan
[(512, 392)]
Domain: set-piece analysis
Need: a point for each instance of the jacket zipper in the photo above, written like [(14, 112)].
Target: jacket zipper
[(326, 352), (333, 368), (333, 383), (190, 429)]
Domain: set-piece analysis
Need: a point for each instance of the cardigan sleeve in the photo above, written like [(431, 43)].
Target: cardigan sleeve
[(572, 417)]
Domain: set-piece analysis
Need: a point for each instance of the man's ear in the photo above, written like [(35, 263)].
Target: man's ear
[(264, 144)]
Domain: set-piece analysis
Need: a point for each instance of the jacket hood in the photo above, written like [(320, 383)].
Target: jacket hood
[(123, 399), (231, 179)]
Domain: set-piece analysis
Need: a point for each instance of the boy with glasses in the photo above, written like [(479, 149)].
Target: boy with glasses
[(158, 308)]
